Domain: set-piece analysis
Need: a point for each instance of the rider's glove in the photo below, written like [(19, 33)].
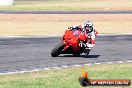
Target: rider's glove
[(70, 28), (82, 44)]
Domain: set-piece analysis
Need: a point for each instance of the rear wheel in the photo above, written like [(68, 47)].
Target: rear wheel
[(57, 50)]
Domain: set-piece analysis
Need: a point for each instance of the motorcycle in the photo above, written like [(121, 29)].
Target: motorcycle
[(73, 42)]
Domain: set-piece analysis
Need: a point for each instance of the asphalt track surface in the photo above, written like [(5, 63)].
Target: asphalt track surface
[(28, 53), (64, 12)]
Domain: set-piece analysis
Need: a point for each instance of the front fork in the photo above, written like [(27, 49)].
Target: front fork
[(86, 51)]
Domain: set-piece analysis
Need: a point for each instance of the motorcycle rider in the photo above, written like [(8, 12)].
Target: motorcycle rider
[(89, 31)]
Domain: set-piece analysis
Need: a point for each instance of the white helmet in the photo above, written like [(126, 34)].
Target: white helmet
[(88, 26)]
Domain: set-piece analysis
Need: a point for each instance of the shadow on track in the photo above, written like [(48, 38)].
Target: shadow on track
[(83, 56), (91, 56)]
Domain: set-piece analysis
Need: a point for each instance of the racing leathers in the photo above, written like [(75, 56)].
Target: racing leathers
[(91, 36)]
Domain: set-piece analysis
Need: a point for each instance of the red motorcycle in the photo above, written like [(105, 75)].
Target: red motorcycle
[(74, 42)]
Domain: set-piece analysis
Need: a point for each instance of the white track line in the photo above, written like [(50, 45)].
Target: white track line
[(46, 69), (109, 62), (56, 67), (76, 65), (97, 63), (39, 36), (120, 62), (62, 67), (129, 61), (89, 64)]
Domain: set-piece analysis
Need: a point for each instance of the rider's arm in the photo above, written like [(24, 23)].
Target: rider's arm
[(92, 37), (96, 33)]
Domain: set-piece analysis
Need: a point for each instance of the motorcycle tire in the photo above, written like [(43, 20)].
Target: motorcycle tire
[(87, 51), (57, 50)]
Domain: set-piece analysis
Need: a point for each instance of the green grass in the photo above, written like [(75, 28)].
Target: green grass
[(69, 5), (66, 78)]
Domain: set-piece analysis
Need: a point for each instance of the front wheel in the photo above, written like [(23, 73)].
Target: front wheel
[(87, 51), (57, 50)]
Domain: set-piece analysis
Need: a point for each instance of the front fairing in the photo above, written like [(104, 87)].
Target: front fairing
[(71, 40)]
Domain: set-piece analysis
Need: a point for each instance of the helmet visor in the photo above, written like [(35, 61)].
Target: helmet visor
[(88, 28)]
